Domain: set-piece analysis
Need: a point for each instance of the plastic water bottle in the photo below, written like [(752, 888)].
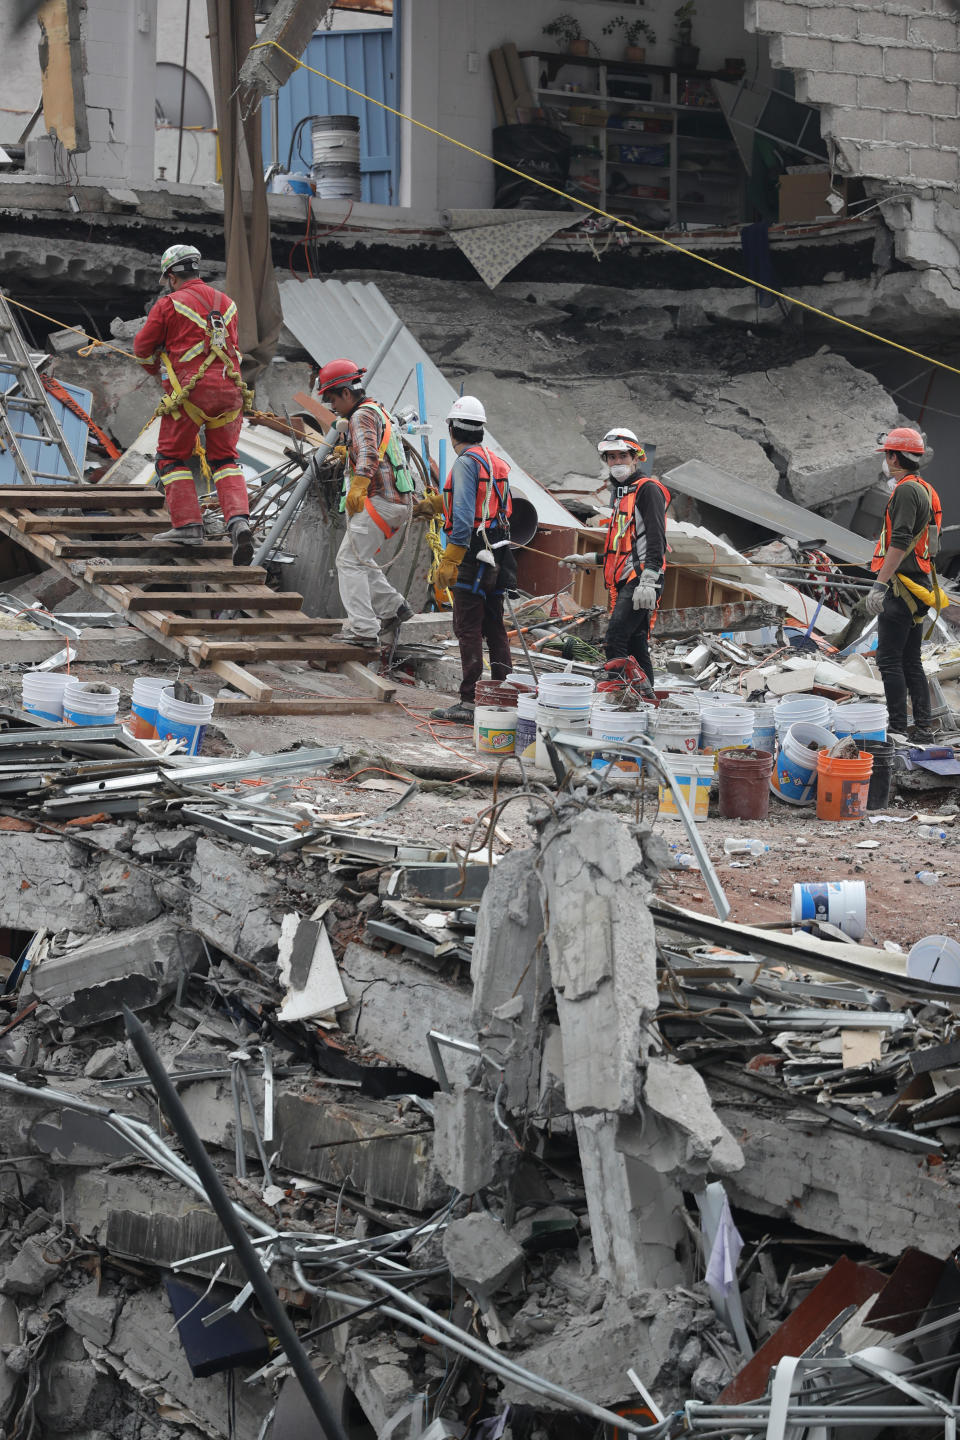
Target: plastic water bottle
[(931, 832), (687, 862), (733, 845), (928, 877)]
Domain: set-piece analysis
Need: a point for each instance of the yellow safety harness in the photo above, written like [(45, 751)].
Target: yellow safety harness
[(215, 342)]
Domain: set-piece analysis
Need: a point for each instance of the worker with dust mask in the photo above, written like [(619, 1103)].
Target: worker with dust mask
[(634, 548), (376, 498), (478, 565), (909, 540), (191, 332)]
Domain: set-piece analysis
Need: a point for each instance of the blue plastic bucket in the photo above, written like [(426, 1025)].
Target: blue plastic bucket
[(177, 720), (794, 776)]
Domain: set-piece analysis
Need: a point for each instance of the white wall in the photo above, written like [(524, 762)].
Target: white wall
[(461, 102)]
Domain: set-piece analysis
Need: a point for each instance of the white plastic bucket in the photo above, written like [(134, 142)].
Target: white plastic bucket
[(842, 903), (764, 729), (608, 722), (936, 958), (522, 680), (335, 143), (550, 717), (178, 720), (565, 692), (802, 710), (525, 742), (42, 694), (494, 730), (794, 776), (722, 726), (867, 720), (143, 706), (676, 730), (84, 705), (694, 776)]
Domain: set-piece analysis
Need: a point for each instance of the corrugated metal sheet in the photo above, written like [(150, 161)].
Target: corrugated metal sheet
[(333, 317), (46, 457), (728, 492), (365, 60)]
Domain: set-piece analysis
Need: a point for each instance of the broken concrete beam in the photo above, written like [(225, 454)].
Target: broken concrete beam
[(232, 902), (694, 1142), (378, 1373), (33, 645), (91, 1314), (481, 1254), (290, 26), (29, 1272), (49, 588), (125, 894), (691, 620), (392, 1004), (146, 1218), (135, 967), (360, 1144), (465, 1149), (45, 883)]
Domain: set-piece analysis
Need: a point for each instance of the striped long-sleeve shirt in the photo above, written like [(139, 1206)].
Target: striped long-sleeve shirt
[(364, 439)]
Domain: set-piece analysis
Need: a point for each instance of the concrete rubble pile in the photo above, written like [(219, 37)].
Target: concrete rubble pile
[(484, 1122)]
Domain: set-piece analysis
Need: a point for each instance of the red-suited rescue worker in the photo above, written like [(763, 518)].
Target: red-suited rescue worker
[(376, 498), (478, 565), (908, 542), (634, 549), (190, 338)]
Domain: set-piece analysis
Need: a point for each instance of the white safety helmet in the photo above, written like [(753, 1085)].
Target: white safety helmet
[(467, 410), (180, 259), (621, 439)]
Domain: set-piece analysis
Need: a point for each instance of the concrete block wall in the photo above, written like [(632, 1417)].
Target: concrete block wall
[(119, 38), (885, 75)]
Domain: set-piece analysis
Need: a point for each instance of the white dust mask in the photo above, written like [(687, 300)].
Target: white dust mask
[(620, 472)]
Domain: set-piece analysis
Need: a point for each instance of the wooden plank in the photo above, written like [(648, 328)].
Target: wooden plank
[(77, 497), (189, 572), (384, 689), (339, 705), (82, 549), (241, 679), (284, 625), (256, 598), (334, 652), (131, 524), (518, 78)]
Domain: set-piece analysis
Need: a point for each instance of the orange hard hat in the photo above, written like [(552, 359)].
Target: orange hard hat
[(907, 441), (339, 373)]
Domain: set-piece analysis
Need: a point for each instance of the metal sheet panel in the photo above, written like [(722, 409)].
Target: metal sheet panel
[(334, 317), (365, 60), (46, 457), (714, 486)]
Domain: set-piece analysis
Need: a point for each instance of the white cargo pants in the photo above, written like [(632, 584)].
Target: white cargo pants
[(367, 595)]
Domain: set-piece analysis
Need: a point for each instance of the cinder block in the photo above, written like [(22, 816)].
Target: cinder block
[(936, 33), (876, 25), (883, 162), (848, 124), (904, 129), (831, 89), (835, 22), (935, 166), (776, 17), (801, 52), (924, 99), (946, 67), (852, 58), (903, 62), (946, 132), (874, 94)]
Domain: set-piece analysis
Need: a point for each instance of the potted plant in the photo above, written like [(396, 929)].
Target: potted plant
[(633, 32), (568, 34), (686, 54)]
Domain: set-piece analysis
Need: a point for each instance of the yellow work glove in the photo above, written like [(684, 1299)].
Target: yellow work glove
[(357, 494), (429, 507), (449, 565), (339, 455)]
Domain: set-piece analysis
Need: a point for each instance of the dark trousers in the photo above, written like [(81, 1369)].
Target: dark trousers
[(478, 616), (628, 630), (899, 643)]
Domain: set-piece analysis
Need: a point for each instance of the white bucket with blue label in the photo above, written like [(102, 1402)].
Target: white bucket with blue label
[(42, 695), (89, 702), (178, 720), (794, 776), (842, 903)]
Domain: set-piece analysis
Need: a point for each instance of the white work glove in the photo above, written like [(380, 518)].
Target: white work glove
[(341, 424), (645, 595), (875, 598), (584, 561)]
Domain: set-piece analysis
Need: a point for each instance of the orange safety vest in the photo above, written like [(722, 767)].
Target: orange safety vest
[(618, 546), (493, 494), (921, 551)]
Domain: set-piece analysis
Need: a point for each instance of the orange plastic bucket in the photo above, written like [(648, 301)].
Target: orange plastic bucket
[(843, 786)]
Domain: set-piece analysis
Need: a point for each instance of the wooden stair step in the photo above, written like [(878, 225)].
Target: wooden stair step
[(255, 598), (165, 549), (189, 572), (92, 524), (278, 625), (309, 648), (77, 497)]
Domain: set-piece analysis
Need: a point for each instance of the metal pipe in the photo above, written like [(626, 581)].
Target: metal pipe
[(223, 1206), (183, 86)]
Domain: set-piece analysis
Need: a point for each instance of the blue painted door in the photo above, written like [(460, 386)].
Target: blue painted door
[(366, 60)]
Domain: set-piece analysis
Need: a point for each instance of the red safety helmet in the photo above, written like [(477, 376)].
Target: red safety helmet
[(903, 439), (339, 373)]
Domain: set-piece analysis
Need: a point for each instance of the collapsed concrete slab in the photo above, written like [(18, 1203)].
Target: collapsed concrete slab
[(465, 1147), (43, 883), (233, 902), (394, 1003), (481, 1254)]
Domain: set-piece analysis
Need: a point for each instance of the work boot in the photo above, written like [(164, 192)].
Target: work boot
[(182, 535), (241, 538), (364, 642), (460, 713), (921, 735), (395, 621)]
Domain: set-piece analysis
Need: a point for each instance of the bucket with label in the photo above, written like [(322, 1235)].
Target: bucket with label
[(494, 718), (744, 784), (843, 786), (694, 776), (801, 710), (89, 702), (609, 722), (525, 742), (842, 903), (143, 706), (794, 776), (723, 726), (181, 720), (864, 720), (42, 694), (881, 776), (550, 718), (764, 729), (676, 730)]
